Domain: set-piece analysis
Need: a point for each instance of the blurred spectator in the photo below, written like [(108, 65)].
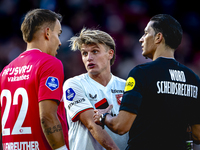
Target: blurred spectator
[(123, 19)]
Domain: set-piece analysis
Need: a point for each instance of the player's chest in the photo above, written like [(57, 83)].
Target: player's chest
[(112, 95)]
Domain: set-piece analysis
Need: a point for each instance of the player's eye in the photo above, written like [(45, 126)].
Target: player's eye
[(84, 53), (95, 51), (146, 32)]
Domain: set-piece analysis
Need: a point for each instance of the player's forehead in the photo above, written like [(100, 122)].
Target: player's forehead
[(91, 46), (149, 28), (58, 26)]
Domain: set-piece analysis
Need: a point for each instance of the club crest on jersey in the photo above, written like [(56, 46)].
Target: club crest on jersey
[(70, 94), (130, 84), (119, 98), (52, 83)]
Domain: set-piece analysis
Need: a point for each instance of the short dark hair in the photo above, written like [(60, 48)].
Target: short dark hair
[(169, 27), (35, 19)]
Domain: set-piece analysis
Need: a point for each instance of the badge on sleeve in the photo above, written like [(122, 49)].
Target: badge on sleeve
[(70, 94), (130, 84), (52, 83)]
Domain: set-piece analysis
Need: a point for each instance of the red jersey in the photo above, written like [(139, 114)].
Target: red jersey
[(32, 77)]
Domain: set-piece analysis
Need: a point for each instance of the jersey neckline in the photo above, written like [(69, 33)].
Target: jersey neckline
[(33, 49), (98, 84)]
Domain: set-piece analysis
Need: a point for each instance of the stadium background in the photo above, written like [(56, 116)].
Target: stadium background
[(124, 20)]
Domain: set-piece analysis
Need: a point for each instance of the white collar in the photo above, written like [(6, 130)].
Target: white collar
[(33, 49)]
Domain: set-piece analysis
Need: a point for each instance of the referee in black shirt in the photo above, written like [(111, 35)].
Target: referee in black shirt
[(161, 97)]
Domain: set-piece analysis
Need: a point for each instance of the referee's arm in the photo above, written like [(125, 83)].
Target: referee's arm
[(119, 124)]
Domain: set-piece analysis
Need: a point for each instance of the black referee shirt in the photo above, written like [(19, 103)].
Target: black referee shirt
[(165, 96)]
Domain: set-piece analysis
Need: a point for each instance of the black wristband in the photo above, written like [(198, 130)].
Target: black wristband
[(102, 119)]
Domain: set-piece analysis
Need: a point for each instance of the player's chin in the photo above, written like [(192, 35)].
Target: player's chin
[(144, 54), (93, 72), (55, 53)]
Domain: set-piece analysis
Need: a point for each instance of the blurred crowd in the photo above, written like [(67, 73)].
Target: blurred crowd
[(124, 20)]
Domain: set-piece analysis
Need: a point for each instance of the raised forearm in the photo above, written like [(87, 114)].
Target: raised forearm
[(114, 124), (119, 124)]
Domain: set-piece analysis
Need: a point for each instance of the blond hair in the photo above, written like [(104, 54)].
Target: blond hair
[(89, 36)]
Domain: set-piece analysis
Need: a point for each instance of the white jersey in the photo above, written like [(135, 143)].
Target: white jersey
[(82, 93)]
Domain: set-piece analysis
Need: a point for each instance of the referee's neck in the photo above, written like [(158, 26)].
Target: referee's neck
[(166, 52)]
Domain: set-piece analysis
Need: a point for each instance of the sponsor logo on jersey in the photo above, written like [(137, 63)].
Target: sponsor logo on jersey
[(52, 83), (93, 97), (70, 94), (117, 91), (18, 78), (76, 102), (17, 70), (130, 84), (119, 98)]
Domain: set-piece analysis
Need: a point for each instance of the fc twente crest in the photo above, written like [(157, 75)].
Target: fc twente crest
[(119, 98)]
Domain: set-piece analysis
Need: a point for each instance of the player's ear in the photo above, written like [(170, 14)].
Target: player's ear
[(111, 53), (47, 33), (158, 38)]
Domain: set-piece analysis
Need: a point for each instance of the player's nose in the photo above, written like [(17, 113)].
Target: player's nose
[(141, 39), (89, 57)]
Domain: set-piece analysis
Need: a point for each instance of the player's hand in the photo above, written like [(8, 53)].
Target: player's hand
[(99, 112), (106, 110), (96, 117)]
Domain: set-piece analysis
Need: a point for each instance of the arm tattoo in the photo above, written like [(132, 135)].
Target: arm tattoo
[(53, 129)]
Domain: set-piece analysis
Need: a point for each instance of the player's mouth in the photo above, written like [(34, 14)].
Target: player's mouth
[(142, 47), (90, 65), (57, 50)]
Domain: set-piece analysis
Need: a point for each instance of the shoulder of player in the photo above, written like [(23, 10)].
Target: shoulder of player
[(49, 57), (118, 79), (50, 60), (76, 80)]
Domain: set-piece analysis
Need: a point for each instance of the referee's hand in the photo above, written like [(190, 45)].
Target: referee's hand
[(98, 113)]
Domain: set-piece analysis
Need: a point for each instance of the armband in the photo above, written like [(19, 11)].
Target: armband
[(62, 148), (102, 119)]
